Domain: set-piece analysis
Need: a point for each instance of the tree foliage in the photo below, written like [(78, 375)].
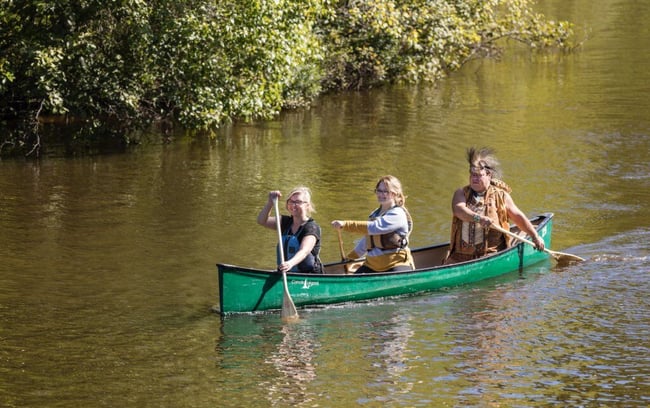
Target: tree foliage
[(126, 63)]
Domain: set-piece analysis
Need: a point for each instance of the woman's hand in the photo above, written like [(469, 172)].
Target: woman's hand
[(284, 267), (337, 224)]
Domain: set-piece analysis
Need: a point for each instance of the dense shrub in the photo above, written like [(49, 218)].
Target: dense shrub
[(126, 63)]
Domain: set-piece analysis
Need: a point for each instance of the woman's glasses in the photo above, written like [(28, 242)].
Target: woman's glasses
[(296, 202), (380, 191)]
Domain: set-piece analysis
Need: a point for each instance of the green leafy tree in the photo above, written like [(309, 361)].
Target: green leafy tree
[(111, 66), (234, 59), (371, 42)]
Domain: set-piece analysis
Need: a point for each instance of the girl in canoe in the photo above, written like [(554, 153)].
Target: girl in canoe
[(385, 241), (300, 233), (475, 207)]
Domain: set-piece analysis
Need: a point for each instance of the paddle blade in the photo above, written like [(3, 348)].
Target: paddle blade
[(289, 312), (565, 259)]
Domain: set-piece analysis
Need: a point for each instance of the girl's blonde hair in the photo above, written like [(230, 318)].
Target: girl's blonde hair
[(393, 185), (306, 193)]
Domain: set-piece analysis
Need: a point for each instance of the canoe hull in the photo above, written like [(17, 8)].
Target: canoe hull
[(248, 290)]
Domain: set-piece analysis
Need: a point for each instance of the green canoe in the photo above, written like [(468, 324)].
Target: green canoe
[(244, 289)]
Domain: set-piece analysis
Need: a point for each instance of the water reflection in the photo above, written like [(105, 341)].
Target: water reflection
[(249, 345), (294, 361), (388, 347)]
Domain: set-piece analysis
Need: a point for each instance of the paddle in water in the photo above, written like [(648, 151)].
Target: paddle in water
[(560, 257), (289, 312)]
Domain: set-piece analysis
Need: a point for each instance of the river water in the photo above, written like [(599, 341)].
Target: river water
[(108, 282)]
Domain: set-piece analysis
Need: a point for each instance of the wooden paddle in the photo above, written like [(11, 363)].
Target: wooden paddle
[(559, 256), (341, 245), (289, 311), (350, 266)]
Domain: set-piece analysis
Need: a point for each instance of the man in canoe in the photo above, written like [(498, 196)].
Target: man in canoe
[(385, 241), (301, 235), (486, 200)]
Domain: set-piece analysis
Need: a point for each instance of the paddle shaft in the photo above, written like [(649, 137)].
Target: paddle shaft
[(341, 245), (513, 235), (554, 254), (278, 228), (288, 308)]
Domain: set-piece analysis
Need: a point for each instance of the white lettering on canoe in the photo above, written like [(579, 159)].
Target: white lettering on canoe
[(307, 285)]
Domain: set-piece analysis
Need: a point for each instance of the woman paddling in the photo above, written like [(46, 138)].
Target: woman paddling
[(385, 241), (301, 235)]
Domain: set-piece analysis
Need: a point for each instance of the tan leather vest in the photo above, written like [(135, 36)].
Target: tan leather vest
[(469, 240)]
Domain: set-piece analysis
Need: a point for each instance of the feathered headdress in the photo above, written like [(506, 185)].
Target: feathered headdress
[(484, 158)]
